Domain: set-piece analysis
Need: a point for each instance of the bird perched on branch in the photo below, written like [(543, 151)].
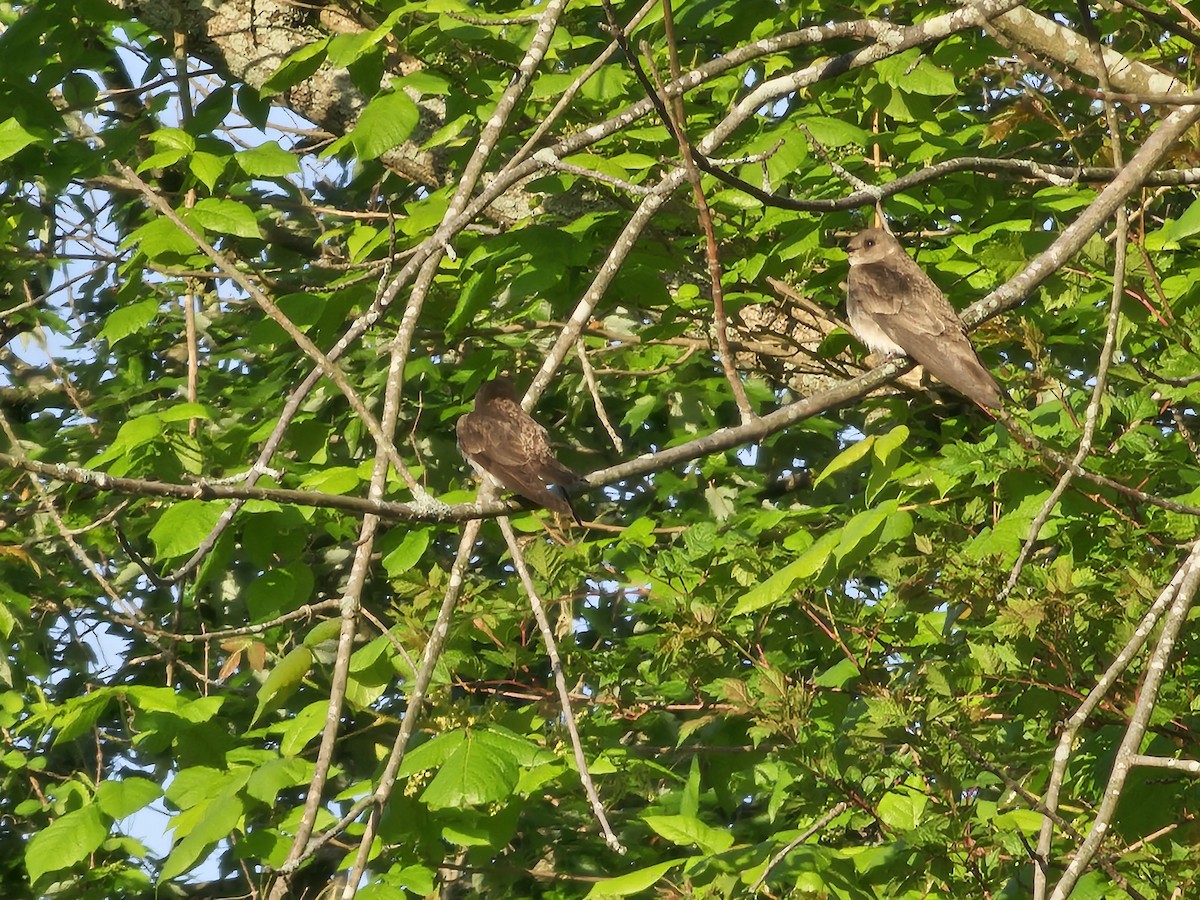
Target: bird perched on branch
[(896, 309), (504, 444)]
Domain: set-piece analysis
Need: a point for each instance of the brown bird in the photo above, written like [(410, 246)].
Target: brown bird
[(896, 309), (505, 445)]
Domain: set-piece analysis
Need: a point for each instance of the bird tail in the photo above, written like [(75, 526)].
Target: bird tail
[(560, 492), (962, 370)]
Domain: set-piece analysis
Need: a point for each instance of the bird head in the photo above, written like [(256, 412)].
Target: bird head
[(499, 388), (871, 245)]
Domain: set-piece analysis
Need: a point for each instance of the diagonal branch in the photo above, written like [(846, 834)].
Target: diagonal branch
[(560, 684)]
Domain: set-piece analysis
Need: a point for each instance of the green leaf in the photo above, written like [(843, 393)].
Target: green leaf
[(80, 714), (182, 412), (173, 139), (633, 882), (274, 776), (13, 138), (858, 535), (133, 434), (184, 526), (778, 586), (831, 132), (838, 675), (267, 160), (387, 122), (127, 320), (200, 831), (1185, 226), (118, 799), (283, 681), (902, 807), (161, 237), (225, 217), (208, 167), (303, 727), (337, 480), (69, 839), (407, 553), (432, 753), (885, 448), (887, 444), (688, 830), (478, 771), (297, 67), (846, 458), (913, 73)]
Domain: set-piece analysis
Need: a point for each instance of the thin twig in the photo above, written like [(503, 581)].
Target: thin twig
[(670, 110), (1091, 419), (574, 87), (324, 364), (589, 376), (1156, 667), (785, 290), (560, 683), (416, 700), (1096, 695), (836, 810), (1146, 697), (1036, 805), (1188, 766)]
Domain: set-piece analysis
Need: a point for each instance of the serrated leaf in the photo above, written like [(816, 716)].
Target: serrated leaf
[(127, 320), (639, 410), (432, 753), (477, 772), (779, 585)]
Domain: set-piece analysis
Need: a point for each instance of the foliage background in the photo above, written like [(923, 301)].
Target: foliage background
[(779, 627)]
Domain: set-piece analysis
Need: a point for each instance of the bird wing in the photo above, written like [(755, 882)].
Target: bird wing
[(918, 317), (512, 449)]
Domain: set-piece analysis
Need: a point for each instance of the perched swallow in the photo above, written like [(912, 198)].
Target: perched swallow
[(505, 445), (897, 310)]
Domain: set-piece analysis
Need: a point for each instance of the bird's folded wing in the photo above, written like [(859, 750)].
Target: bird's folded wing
[(941, 345), (498, 438)]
